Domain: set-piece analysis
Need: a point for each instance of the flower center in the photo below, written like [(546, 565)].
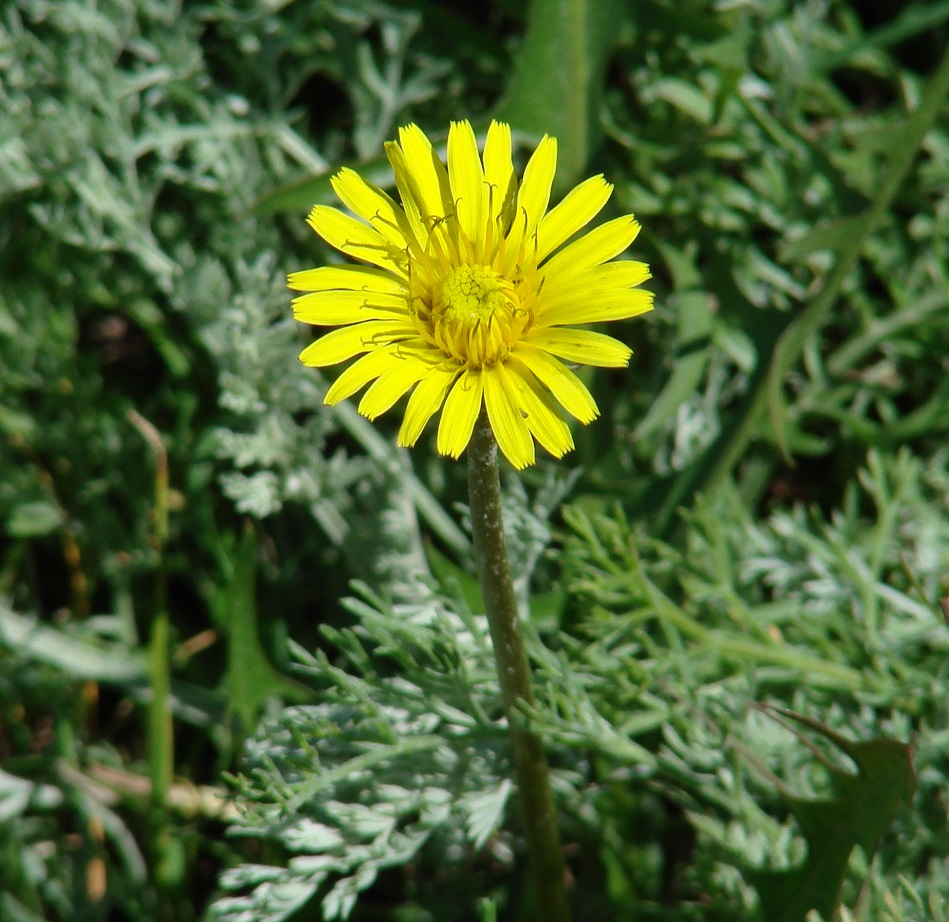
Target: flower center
[(476, 315)]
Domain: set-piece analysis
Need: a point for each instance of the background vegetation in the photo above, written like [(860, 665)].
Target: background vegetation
[(204, 571)]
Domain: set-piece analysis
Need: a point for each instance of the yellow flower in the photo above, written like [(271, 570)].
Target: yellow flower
[(466, 297)]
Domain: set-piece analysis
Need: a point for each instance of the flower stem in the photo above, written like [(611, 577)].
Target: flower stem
[(544, 853)]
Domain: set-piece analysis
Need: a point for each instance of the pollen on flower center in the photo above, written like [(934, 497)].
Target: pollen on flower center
[(476, 315)]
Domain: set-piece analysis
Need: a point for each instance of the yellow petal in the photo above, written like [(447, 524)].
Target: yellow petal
[(578, 208), (582, 346), (331, 308), (343, 344), (408, 191), (392, 384), (534, 193), (356, 239), (608, 305), (537, 408), (460, 413), (499, 177), (354, 278), (373, 205), (424, 402), (467, 179), (360, 373), (589, 284), (428, 170), (566, 387), (599, 245), (507, 422), (532, 199)]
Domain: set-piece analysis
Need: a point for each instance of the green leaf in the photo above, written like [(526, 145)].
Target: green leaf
[(793, 340), (916, 18), (455, 580), (680, 263), (685, 97), (831, 235), (301, 196), (80, 659), (858, 813), (694, 312), (33, 520), (11, 908), (680, 21), (559, 79), (486, 812), (250, 679), (556, 89)]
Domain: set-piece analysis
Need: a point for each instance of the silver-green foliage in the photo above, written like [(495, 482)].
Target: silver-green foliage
[(834, 616), (645, 703), (135, 136), (403, 761)]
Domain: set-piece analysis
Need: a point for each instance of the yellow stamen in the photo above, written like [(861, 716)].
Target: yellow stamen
[(476, 316)]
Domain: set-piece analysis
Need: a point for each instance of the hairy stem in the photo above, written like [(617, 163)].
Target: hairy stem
[(544, 853)]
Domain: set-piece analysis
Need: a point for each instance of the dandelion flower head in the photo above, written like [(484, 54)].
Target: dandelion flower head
[(467, 296)]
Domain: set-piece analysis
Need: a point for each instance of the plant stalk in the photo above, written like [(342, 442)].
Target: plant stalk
[(161, 741), (532, 774)]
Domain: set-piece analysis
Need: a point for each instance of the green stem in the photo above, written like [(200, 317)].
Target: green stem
[(544, 853), (161, 752)]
